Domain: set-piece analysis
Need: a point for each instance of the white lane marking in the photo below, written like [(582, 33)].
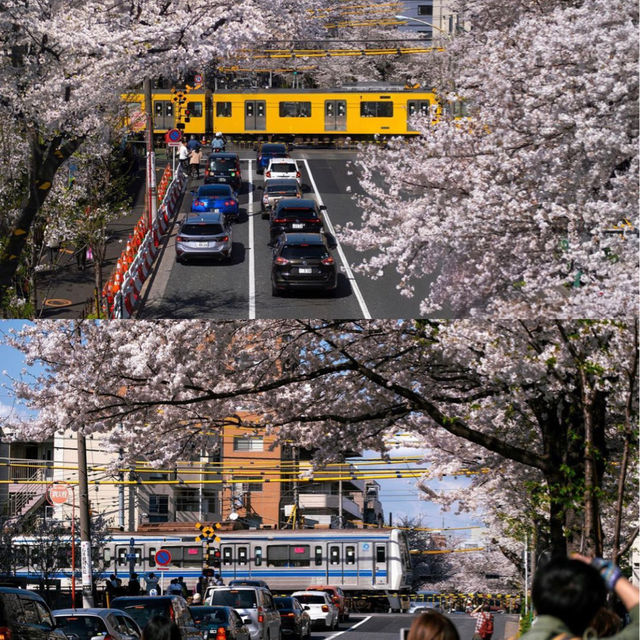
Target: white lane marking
[(339, 633), (252, 255), (354, 285)]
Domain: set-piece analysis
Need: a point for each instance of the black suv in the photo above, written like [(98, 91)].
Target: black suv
[(143, 608), (24, 615), (302, 261), (225, 168), (296, 215)]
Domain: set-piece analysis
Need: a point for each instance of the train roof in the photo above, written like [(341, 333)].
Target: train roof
[(349, 89)]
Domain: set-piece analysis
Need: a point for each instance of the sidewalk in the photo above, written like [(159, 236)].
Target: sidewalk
[(66, 292)]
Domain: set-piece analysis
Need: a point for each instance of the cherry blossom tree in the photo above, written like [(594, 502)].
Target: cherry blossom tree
[(548, 407), (518, 211), (63, 66)]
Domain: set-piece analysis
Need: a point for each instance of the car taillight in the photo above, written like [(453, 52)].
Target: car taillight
[(225, 239), (172, 614), (5, 633), (314, 221), (280, 220), (206, 172), (325, 608), (199, 203), (297, 174), (179, 239), (260, 615), (280, 260), (328, 260), (228, 203), (291, 615), (221, 634), (268, 174)]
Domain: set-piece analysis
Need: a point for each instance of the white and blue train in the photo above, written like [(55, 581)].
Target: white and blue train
[(361, 561)]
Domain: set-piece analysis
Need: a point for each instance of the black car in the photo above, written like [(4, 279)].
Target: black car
[(225, 168), (24, 615), (302, 261), (174, 607), (210, 619), (295, 621), (267, 151), (296, 215)]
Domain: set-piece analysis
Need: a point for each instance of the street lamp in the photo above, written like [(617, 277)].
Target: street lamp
[(429, 24)]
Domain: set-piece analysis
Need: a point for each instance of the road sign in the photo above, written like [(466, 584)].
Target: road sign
[(173, 135), (163, 557), (58, 493), (173, 144), (161, 568)]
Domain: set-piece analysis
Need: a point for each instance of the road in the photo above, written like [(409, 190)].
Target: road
[(242, 289), (387, 626)]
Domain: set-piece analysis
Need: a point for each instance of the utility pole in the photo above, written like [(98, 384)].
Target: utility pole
[(85, 523), (340, 526), (296, 495), (152, 192)]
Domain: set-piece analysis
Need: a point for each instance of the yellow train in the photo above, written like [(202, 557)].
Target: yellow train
[(287, 114)]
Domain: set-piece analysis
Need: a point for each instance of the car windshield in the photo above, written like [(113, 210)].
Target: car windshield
[(201, 229), (284, 603), (220, 164), (206, 617), (311, 599), (81, 627), (282, 191), (237, 599), (297, 213), (283, 167), (143, 612), (213, 190), (296, 251)]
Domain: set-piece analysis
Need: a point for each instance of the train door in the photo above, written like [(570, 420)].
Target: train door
[(162, 114), (417, 108), (335, 115), (255, 115), (380, 563), (342, 563), (235, 560), (122, 552)]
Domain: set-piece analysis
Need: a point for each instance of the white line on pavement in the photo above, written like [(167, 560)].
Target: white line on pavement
[(251, 248), (339, 633), (354, 285)]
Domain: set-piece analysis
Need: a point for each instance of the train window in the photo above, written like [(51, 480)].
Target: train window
[(369, 109), (192, 555), (334, 555), (152, 557), (419, 107), (258, 556), (227, 555), (349, 555), (20, 557), (223, 109), (381, 553), (194, 109), (295, 109), (242, 555), (106, 556), (299, 555), (318, 556), (278, 555)]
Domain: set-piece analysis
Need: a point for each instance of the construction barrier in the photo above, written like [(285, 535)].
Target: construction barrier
[(122, 291)]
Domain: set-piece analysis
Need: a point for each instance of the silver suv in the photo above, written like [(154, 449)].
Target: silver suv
[(255, 606)]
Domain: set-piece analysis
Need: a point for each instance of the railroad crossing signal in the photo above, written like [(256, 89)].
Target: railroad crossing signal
[(207, 534)]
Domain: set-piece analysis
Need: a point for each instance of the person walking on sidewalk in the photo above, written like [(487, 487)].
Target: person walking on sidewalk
[(183, 156)]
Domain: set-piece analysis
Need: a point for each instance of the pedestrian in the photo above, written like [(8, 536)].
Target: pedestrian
[(183, 586), (133, 588), (432, 625), (194, 162), (112, 587), (197, 599), (201, 585), (484, 622), (161, 628), (193, 144), (183, 155), (174, 588), (217, 580), (151, 583), (566, 593), (218, 143)]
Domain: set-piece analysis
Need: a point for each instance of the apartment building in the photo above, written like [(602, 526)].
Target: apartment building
[(433, 20)]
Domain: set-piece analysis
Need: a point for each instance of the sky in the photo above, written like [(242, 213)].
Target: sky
[(399, 497)]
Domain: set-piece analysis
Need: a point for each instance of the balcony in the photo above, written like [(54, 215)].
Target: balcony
[(320, 503)]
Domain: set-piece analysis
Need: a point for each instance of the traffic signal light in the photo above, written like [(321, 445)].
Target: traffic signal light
[(216, 559)]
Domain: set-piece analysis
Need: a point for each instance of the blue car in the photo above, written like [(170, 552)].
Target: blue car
[(218, 198)]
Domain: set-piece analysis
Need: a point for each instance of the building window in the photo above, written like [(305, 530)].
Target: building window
[(248, 443), (251, 487), (370, 109), (425, 10), (187, 500), (158, 508), (295, 109), (223, 109)]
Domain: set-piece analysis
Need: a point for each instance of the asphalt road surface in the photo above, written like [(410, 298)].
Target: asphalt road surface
[(387, 626), (242, 288)]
